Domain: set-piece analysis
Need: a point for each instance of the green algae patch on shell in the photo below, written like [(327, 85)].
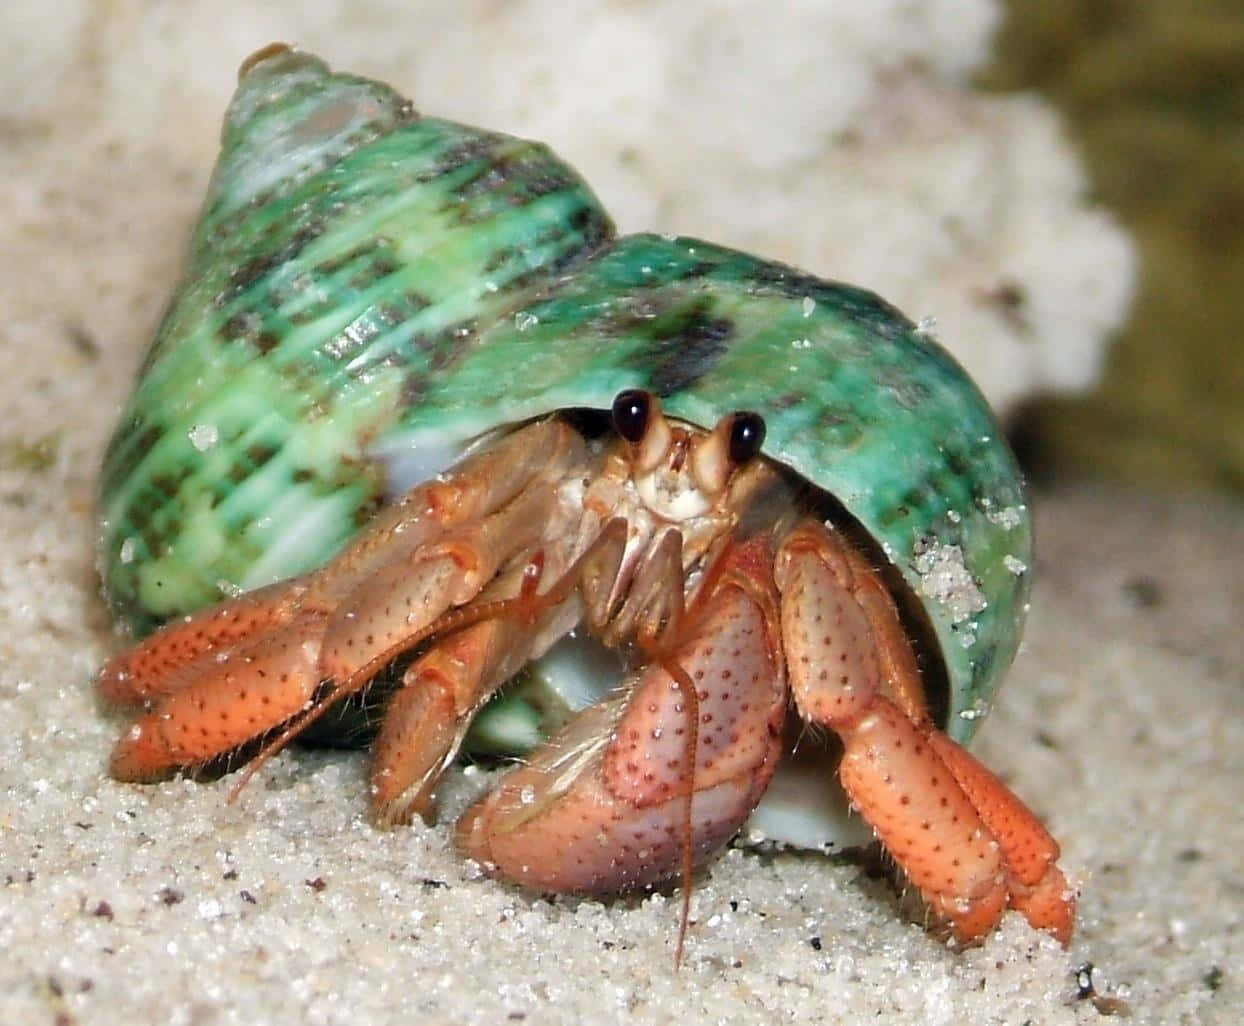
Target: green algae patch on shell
[(366, 286)]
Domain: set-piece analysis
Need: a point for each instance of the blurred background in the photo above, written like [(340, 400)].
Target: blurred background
[(1153, 96)]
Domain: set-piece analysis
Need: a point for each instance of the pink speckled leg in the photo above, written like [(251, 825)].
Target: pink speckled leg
[(158, 666)]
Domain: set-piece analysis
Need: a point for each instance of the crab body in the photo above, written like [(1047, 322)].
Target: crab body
[(372, 296)]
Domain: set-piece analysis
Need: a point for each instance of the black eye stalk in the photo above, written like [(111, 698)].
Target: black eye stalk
[(631, 410), (632, 413), (747, 435)]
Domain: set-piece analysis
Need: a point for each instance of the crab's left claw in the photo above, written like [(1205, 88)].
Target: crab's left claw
[(963, 839), (605, 806)]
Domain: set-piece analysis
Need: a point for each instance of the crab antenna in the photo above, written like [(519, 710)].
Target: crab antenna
[(687, 687)]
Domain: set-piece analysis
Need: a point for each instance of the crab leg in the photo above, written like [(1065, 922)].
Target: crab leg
[(479, 485), (604, 806), (334, 625), (216, 703), (968, 844), (226, 701), (158, 665), (385, 614), (213, 712), (1035, 884), (424, 723), (427, 718)]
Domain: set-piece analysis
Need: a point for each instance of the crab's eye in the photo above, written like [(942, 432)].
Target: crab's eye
[(631, 410), (747, 435)]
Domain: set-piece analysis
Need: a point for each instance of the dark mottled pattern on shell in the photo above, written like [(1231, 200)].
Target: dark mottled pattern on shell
[(347, 252), (366, 281)]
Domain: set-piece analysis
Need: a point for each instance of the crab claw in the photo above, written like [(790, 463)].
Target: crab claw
[(613, 802)]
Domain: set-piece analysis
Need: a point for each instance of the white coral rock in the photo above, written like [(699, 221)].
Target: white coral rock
[(840, 136)]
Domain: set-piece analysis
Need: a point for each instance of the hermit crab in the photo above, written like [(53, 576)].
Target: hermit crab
[(416, 414)]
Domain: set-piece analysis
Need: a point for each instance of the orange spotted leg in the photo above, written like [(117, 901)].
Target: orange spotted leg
[(234, 673), (963, 839)]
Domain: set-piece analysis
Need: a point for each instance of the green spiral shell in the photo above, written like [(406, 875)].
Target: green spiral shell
[(367, 288)]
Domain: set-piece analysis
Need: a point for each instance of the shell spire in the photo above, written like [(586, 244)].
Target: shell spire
[(346, 250)]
